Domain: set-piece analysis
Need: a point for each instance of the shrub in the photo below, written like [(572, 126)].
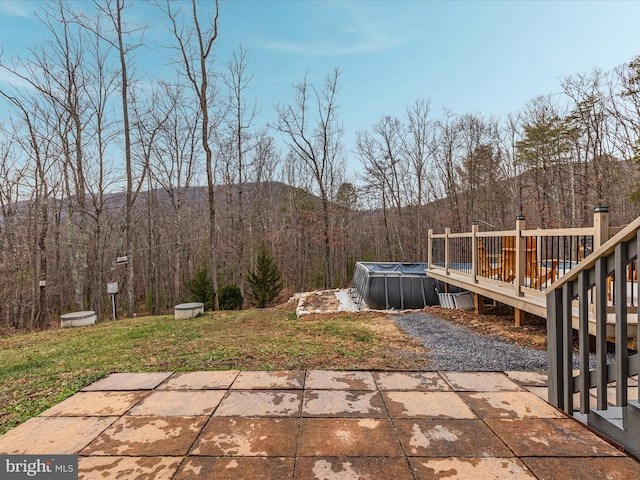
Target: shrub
[(265, 281), (230, 298), (200, 288)]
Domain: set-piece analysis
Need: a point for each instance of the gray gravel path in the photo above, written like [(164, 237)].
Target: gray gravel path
[(452, 347)]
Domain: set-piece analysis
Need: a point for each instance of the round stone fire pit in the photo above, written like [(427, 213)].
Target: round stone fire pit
[(188, 310), (78, 319)]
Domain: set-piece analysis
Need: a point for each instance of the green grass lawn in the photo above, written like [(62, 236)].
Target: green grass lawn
[(39, 369)]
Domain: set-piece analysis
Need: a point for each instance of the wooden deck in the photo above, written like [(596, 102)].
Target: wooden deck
[(515, 267), (528, 300)]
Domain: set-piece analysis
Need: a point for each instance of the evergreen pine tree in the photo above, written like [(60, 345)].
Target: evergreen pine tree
[(200, 288), (265, 281)]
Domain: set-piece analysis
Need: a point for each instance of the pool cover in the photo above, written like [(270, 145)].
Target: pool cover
[(391, 285)]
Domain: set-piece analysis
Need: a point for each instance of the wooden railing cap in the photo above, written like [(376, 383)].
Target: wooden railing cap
[(627, 233)]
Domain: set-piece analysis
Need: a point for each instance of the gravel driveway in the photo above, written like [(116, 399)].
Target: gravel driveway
[(452, 347)]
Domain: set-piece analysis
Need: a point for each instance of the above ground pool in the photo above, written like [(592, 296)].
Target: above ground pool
[(390, 285)]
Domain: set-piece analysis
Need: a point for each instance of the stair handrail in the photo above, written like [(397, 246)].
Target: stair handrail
[(611, 257), (627, 233)]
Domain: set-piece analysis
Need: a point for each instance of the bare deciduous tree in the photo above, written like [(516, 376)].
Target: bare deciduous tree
[(119, 38), (381, 155), (418, 150), (316, 140), (240, 117), (591, 123), (174, 167), (194, 44), (446, 147)]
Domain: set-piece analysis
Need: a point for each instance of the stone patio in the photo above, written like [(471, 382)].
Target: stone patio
[(320, 425)]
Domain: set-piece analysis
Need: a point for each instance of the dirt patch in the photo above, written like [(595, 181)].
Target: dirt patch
[(318, 302), (498, 321), (323, 300), (388, 347)]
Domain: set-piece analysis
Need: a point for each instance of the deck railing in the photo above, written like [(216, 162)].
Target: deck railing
[(587, 289), (521, 258)]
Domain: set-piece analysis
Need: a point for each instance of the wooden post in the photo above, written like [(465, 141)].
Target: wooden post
[(600, 236), (520, 264), (555, 372), (447, 232), (600, 225), (478, 303), (474, 251), (429, 247), (478, 300)]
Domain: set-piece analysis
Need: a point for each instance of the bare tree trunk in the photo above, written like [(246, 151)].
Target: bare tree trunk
[(195, 47), (129, 203), (241, 117), (318, 147)]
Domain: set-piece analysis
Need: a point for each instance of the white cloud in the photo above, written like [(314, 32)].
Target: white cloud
[(348, 30), (325, 48), (8, 78), (16, 8)]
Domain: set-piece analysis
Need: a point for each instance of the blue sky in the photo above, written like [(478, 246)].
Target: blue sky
[(484, 57)]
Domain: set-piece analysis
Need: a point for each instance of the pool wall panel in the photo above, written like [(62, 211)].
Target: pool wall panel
[(400, 286)]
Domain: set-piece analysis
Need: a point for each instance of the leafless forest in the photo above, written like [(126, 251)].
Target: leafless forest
[(98, 162)]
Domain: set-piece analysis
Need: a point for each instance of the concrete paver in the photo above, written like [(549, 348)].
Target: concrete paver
[(426, 405), (200, 380), (146, 436), (567, 468), (450, 438), (156, 468), (129, 381), (632, 395), (509, 405), (179, 402), (248, 437), (320, 425), (59, 435), (332, 468), (470, 468), (551, 437), (540, 392), (528, 379), (260, 404), (343, 403), (235, 468), (416, 381), (287, 380), (338, 380), (480, 382), (348, 437), (96, 404)]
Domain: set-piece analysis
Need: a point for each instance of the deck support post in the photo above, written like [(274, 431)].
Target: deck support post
[(519, 317), (478, 303)]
